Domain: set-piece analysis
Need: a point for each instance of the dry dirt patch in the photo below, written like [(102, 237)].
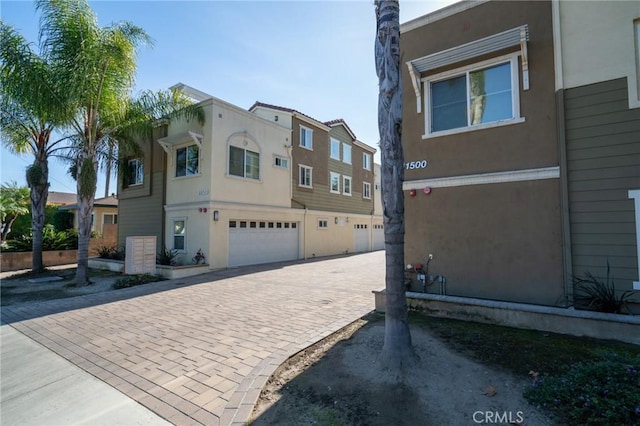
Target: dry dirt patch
[(340, 381)]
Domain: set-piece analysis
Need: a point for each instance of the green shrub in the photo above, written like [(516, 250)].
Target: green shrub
[(51, 240), (167, 256), (594, 293), (111, 252), (133, 280), (594, 393)]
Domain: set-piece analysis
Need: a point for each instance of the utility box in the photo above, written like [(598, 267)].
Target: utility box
[(140, 255)]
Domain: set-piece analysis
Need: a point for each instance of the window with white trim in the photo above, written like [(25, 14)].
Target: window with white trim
[(135, 172), (476, 96), (366, 161), (244, 163), (306, 137), (346, 185), (335, 149), (334, 182), (366, 190), (282, 162), (323, 224), (346, 153), (109, 218), (305, 178), (179, 234), (187, 161)]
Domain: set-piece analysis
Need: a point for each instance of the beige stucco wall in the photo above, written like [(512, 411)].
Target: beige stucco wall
[(605, 30)]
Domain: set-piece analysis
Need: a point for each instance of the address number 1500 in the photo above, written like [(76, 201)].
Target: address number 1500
[(412, 165)]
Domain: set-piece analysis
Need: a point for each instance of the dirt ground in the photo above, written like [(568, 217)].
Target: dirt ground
[(339, 381), (55, 283)]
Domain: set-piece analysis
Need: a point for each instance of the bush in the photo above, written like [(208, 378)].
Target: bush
[(51, 240), (167, 256), (595, 393), (134, 280), (594, 293), (111, 252)]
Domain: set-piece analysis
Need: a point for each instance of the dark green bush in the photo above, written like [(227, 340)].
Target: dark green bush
[(133, 280), (166, 256), (593, 393), (597, 294), (111, 252), (51, 240)]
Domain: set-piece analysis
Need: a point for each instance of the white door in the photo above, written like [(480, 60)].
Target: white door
[(361, 232), (378, 237), (262, 241)]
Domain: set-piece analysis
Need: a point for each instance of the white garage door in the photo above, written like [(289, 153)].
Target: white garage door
[(378, 237), (262, 241), (361, 232)]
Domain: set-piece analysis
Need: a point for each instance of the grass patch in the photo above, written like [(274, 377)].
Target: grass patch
[(134, 280), (579, 380)]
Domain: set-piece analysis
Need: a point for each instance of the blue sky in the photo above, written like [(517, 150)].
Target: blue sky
[(316, 57)]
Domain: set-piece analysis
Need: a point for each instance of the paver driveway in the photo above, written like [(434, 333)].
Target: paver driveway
[(199, 350)]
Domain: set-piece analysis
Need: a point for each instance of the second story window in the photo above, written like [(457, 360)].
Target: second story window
[(346, 153), (306, 137), (187, 159), (366, 190), (281, 162), (334, 182), (244, 163), (136, 172), (366, 161), (346, 185), (306, 176)]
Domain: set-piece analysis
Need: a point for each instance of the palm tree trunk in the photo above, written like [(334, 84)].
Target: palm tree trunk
[(38, 180), (397, 351), (108, 171), (86, 188)]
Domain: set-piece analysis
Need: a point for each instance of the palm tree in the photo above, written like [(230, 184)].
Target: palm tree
[(101, 63), (397, 351), (33, 104), (14, 202)]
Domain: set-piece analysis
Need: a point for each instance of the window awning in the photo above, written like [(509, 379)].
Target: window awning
[(179, 138), (513, 37)]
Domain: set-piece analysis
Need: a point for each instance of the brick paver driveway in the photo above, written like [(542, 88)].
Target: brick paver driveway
[(199, 350)]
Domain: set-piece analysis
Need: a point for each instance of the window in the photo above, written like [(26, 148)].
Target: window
[(346, 153), (335, 149), (334, 182), (244, 163), (306, 137), (179, 234), (366, 161), (346, 185), (473, 96), (136, 172), (187, 161), (323, 224), (366, 190), (109, 219), (281, 162), (306, 176)]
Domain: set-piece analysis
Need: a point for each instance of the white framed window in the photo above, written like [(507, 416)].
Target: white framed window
[(335, 149), (477, 96), (306, 137), (179, 234), (135, 172), (346, 153), (282, 162), (187, 161), (366, 190), (323, 224), (244, 163), (366, 161), (346, 185), (305, 178), (109, 218), (334, 182)]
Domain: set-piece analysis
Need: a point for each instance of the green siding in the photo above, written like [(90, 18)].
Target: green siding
[(603, 164)]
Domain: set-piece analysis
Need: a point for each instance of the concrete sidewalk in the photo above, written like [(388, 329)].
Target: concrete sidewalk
[(41, 388), (193, 351)]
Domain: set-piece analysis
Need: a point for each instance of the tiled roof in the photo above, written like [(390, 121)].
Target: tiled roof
[(61, 198), (279, 108), (340, 121)]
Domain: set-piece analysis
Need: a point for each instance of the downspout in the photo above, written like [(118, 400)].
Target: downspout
[(562, 155)]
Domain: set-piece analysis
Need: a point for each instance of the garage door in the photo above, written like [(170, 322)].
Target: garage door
[(252, 242), (361, 232), (378, 237)]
